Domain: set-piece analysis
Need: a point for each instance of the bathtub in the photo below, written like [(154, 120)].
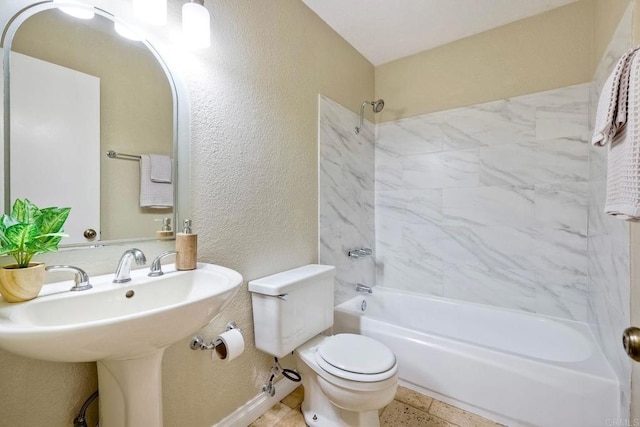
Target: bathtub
[(512, 367)]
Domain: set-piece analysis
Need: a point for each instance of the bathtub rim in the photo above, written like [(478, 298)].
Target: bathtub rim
[(596, 364)]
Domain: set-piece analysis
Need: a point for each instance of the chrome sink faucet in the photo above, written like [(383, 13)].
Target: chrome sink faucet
[(156, 265), (81, 279), (123, 271)]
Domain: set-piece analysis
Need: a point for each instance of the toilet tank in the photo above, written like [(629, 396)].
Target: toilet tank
[(291, 307)]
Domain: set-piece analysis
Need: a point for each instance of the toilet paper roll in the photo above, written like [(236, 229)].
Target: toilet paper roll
[(231, 347)]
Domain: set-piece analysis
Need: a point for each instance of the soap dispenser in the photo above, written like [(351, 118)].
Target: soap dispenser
[(166, 230), (187, 248)]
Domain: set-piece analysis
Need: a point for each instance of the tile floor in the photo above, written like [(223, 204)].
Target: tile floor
[(409, 409)]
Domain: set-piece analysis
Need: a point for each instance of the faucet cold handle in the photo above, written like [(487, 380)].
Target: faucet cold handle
[(156, 265)]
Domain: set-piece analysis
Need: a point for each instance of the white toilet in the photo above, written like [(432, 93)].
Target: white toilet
[(346, 377)]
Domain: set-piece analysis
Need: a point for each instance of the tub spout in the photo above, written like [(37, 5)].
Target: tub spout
[(364, 288)]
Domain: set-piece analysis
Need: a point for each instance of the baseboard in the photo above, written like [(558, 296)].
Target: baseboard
[(250, 411)]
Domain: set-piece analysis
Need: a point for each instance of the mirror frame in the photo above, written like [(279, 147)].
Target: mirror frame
[(14, 12)]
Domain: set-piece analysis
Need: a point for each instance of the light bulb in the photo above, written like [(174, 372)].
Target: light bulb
[(196, 25)]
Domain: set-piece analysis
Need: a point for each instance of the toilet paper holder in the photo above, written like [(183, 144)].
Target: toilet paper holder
[(198, 342)]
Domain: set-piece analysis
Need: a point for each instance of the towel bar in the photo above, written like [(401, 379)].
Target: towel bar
[(113, 155)]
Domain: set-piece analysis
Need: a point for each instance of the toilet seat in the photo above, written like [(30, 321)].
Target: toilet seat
[(356, 358)]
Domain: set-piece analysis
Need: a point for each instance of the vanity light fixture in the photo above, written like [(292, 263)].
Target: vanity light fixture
[(196, 24), (152, 12), (75, 9)]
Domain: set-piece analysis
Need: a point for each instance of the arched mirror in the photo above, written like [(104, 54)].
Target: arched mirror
[(93, 121)]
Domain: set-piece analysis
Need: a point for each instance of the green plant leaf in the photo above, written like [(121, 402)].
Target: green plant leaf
[(7, 221), (50, 225), (21, 234), (24, 211), (29, 230), (51, 220)]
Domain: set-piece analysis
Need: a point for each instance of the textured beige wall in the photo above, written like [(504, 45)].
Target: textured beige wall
[(606, 16), (543, 52), (254, 197), (254, 97), (136, 112)]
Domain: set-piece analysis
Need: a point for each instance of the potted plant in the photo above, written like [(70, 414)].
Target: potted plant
[(28, 231)]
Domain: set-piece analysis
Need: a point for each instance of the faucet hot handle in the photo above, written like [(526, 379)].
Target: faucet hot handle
[(81, 278)]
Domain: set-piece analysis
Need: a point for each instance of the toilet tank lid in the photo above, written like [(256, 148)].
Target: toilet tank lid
[(281, 283)]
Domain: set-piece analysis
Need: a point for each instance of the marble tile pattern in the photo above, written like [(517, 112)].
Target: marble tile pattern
[(608, 278), (346, 196), (409, 408), (488, 203)]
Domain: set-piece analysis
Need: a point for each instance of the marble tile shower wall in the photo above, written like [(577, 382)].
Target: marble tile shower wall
[(346, 196), (608, 239), (488, 203)]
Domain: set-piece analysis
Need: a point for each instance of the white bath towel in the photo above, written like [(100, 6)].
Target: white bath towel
[(612, 105), (160, 168), (157, 195)]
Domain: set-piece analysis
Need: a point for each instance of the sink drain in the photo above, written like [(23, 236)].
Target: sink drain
[(129, 294)]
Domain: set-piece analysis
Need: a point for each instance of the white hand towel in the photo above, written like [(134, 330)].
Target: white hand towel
[(160, 168), (157, 195)]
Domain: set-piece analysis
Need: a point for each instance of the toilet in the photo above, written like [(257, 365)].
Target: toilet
[(347, 378)]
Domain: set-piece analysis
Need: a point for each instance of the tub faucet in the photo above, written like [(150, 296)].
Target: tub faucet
[(364, 288), (360, 253), (81, 280), (123, 271)]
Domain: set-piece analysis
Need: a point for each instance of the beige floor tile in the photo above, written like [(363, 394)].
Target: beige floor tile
[(399, 414), (272, 416), (292, 419), (458, 416), (413, 398), (295, 398)]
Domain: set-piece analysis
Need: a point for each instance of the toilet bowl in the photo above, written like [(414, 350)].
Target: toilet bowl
[(347, 378), (345, 382)]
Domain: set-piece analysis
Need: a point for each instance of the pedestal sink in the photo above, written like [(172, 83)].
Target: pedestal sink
[(124, 327)]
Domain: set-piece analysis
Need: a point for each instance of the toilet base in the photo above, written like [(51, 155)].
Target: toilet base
[(368, 419), (319, 411)]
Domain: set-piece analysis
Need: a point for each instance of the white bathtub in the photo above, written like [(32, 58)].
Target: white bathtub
[(516, 368)]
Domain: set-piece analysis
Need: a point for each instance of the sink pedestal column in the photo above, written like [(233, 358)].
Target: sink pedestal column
[(131, 391)]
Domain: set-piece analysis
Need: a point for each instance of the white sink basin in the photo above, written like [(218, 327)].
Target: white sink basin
[(116, 321), (124, 327)]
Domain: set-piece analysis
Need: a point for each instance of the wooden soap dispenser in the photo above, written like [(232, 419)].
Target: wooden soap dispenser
[(166, 231), (187, 248)]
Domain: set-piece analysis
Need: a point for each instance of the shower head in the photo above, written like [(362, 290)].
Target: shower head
[(377, 107)]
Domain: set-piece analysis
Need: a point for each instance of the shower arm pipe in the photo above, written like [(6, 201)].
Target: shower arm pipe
[(358, 128)]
